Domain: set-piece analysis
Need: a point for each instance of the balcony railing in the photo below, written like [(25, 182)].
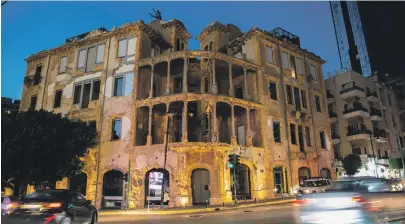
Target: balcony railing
[(329, 95), (332, 114), (379, 133), (348, 89), (372, 93), (374, 111), (356, 129), (356, 106), (335, 136)]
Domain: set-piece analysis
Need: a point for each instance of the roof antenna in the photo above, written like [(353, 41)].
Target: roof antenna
[(158, 14)]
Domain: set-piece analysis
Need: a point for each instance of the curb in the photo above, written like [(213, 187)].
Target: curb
[(198, 210)]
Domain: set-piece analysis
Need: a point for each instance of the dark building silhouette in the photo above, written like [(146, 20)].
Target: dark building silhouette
[(8, 106)]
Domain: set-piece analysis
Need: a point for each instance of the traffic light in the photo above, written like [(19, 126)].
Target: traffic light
[(236, 160), (231, 161)]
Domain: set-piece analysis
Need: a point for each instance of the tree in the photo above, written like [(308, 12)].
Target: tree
[(40, 147), (352, 164)]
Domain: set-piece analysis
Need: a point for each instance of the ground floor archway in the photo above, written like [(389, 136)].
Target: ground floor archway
[(113, 189), (303, 174), (154, 180), (78, 183), (243, 183), (200, 183), (280, 180)]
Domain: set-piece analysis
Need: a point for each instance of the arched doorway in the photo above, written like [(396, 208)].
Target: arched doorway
[(78, 183), (303, 174), (280, 180), (154, 179), (325, 173), (242, 182), (200, 182), (113, 189)]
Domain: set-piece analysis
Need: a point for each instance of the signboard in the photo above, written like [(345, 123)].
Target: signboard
[(155, 186)]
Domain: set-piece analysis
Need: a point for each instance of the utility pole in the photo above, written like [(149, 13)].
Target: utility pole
[(372, 148)]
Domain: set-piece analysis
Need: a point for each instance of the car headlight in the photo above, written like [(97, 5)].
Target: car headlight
[(295, 191), (307, 191)]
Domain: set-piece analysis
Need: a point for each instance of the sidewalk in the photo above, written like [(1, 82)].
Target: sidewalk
[(194, 209)]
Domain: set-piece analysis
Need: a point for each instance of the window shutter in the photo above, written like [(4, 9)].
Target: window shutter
[(100, 53), (82, 59), (122, 47), (131, 46), (62, 65), (270, 55)]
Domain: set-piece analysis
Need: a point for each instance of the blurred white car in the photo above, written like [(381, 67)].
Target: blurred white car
[(313, 185)]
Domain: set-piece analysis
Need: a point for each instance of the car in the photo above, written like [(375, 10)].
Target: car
[(360, 200), (8, 204), (53, 207), (313, 185)]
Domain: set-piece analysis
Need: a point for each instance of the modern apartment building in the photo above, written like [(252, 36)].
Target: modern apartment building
[(257, 94), (364, 119)]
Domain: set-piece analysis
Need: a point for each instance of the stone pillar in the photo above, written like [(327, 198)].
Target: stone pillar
[(214, 83), (246, 90), (184, 132), (185, 71), (214, 120), (249, 136), (151, 81), (149, 138), (233, 137), (230, 80), (168, 78)]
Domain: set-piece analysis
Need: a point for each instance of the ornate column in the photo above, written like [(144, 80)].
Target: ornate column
[(151, 81), (184, 132), (168, 79), (233, 137), (230, 80), (185, 71), (149, 138), (214, 83), (246, 90), (249, 136)]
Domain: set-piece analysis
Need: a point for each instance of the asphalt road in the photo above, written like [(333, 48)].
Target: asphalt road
[(280, 214)]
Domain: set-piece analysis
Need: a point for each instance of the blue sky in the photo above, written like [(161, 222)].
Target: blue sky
[(29, 27)]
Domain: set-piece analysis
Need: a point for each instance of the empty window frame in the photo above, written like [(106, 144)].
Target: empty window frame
[(85, 92), (270, 58), (273, 90), (285, 60), (304, 98), (293, 134), (89, 57), (318, 103), (323, 139), (62, 64), (276, 131), (300, 71), (313, 72), (33, 102), (127, 47), (123, 84), (116, 129), (37, 76), (58, 99), (289, 94), (308, 136)]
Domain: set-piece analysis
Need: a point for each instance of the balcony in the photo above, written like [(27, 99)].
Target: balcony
[(330, 97), (335, 139), (354, 110), (332, 117), (352, 91), (372, 96), (380, 135), (375, 114), (357, 132)]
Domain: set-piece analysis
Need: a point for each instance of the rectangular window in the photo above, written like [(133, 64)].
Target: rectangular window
[(126, 47), (301, 138), (86, 91), (304, 98), (270, 55), (285, 60), (297, 99), (33, 102), (273, 90), (323, 140), (116, 129), (276, 131), (292, 62), (356, 151), (118, 86), (82, 58), (91, 59), (318, 103), (100, 53), (313, 73), (292, 134), (308, 136), (239, 92), (62, 64), (37, 76), (299, 66), (58, 99), (289, 94)]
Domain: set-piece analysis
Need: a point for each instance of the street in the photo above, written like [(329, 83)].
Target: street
[(263, 214)]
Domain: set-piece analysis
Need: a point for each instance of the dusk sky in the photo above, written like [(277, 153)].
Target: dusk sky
[(29, 27)]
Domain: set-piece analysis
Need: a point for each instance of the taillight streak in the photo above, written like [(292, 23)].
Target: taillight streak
[(49, 219)]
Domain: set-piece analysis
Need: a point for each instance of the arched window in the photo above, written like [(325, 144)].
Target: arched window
[(303, 174), (325, 173)]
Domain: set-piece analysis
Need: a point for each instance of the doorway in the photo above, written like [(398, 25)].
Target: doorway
[(200, 183)]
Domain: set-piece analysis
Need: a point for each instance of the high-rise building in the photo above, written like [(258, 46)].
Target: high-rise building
[(256, 94)]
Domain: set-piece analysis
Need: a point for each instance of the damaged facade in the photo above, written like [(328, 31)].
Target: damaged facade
[(256, 94)]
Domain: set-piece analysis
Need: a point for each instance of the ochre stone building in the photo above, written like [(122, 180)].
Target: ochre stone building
[(256, 94)]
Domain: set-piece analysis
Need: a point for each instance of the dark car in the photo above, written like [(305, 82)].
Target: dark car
[(53, 206)]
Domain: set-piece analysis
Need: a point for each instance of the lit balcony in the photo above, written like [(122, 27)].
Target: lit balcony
[(332, 117), (352, 91), (330, 97), (355, 110), (357, 132), (372, 96), (375, 114), (380, 135)]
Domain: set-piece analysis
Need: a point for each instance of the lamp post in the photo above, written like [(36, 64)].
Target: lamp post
[(374, 157)]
